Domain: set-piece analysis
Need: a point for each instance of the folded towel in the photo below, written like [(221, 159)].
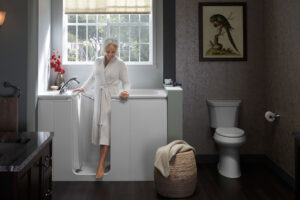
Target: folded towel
[(165, 153), (9, 114)]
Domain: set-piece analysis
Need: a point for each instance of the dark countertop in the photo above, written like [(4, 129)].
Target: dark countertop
[(18, 148)]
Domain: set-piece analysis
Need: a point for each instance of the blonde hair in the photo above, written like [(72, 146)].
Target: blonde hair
[(107, 42)]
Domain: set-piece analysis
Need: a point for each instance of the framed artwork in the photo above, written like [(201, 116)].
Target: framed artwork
[(222, 31)]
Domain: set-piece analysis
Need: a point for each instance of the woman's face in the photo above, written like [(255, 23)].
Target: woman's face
[(110, 52)]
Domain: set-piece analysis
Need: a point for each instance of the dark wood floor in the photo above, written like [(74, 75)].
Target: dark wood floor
[(257, 182)]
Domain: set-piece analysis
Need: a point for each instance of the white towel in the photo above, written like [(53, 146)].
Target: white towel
[(165, 153)]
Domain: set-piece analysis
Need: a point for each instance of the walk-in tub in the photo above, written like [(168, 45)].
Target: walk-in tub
[(138, 128)]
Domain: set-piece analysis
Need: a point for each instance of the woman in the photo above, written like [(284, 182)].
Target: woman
[(109, 71)]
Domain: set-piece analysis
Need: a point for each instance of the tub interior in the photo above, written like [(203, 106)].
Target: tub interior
[(86, 154), (146, 93), (153, 92)]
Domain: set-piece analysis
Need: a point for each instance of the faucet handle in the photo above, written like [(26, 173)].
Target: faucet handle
[(61, 84), (63, 87)]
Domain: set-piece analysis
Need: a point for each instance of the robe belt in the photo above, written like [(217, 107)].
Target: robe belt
[(105, 96)]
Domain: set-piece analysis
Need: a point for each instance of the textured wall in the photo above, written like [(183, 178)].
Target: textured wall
[(222, 80), (282, 49), (13, 51)]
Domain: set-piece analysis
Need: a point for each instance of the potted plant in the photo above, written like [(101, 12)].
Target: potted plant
[(55, 63)]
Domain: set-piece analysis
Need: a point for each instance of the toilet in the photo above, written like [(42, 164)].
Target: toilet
[(224, 118)]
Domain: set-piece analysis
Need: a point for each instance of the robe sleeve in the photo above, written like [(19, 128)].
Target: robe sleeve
[(124, 78), (88, 84)]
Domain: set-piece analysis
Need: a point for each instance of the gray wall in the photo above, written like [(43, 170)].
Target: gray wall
[(282, 49), (44, 43), (32, 71), (39, 40), (222, 80), (13, 51)]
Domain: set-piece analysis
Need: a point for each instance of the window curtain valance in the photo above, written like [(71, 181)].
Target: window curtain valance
[(107, 6)]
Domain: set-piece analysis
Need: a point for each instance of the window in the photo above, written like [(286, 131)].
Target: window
[(84, 34)]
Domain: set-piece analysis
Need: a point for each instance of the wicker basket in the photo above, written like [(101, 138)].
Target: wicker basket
[(182, 180)]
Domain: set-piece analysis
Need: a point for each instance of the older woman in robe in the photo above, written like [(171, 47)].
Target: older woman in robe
[(108, 73)]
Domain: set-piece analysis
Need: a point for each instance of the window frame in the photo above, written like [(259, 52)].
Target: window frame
[(152, 39)]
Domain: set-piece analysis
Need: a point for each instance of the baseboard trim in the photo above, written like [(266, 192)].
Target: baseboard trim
[(206, 159), (254, 159), (280, 172)]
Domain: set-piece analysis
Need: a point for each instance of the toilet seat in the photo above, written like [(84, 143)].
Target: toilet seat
[(231, 132)]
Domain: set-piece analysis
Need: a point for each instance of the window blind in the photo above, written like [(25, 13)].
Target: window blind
[(107, 6)]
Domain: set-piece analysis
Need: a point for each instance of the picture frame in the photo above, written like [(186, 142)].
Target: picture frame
[(223, 31)]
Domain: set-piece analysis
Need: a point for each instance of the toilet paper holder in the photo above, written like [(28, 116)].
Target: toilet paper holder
[(276, 116), (270, 116)]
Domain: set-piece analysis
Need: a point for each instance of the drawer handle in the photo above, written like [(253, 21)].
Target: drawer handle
[(45, 165), (48, 193), (48, 157)]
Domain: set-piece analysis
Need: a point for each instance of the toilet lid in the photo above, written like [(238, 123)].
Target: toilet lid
[(230, 132)]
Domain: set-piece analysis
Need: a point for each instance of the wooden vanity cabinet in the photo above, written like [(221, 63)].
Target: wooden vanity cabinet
[(33, 182)]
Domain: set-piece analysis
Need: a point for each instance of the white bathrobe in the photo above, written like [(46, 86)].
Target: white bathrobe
[(105, 82)]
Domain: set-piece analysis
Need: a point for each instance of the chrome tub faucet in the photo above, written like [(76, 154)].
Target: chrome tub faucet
[(64, 88)]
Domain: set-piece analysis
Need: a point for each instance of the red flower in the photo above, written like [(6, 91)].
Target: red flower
[(55, 63)]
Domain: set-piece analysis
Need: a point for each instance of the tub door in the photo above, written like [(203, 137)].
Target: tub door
[(148, 133), (138, 128)]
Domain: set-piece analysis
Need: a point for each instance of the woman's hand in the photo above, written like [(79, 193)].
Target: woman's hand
[(124, 95), (78, 90)]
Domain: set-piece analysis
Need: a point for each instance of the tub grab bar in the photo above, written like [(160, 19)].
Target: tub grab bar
[(84, 94)]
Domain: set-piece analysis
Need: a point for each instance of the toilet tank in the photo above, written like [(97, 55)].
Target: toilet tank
[(223, 113)]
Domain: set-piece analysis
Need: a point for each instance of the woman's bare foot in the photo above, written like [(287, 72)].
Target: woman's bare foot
[(100, 173)]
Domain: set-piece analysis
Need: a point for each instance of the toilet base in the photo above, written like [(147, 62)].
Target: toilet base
[(229, 163), (229, 155)]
